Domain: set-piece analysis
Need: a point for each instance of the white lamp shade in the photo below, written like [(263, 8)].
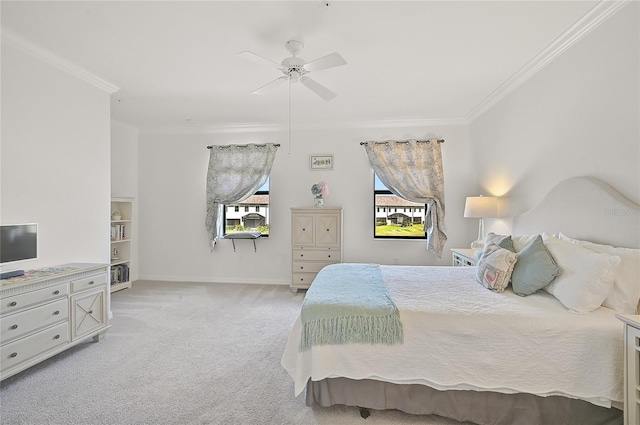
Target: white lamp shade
[(481, 206)]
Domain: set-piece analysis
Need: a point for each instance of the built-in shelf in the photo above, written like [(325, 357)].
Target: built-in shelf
[(121, 242)]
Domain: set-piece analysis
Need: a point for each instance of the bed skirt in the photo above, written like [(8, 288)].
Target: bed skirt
[(483, 408)]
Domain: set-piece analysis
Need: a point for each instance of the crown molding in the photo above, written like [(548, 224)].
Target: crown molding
[(238, 128), (11, 38), (227, 128), (409, 122), (591, 20)]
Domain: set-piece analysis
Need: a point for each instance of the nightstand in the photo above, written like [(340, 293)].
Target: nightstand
[(464, 257), (631, 368)]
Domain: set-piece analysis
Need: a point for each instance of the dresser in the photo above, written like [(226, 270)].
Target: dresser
[(631, 368), (316, 239), (49, 310)]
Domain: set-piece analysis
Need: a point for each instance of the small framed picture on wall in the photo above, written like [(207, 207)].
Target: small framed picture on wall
[(321, 162)]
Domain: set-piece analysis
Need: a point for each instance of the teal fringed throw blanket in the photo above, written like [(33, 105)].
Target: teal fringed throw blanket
[(349, 303)]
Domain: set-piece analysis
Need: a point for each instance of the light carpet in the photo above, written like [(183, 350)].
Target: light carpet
[(181, 353)]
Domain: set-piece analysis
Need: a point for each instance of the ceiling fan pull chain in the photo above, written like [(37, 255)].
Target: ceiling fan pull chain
[(290, 155)]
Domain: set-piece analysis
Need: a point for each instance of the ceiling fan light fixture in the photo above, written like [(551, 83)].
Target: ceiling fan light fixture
[(294, 76)]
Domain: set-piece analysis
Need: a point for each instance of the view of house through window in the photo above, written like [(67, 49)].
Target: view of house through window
[(250, 215), (394, 216)]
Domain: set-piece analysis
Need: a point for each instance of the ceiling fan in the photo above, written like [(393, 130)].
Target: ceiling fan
[(296, 69)]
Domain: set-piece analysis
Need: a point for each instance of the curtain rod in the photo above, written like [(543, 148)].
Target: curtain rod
[(277, 145), (406, 141)]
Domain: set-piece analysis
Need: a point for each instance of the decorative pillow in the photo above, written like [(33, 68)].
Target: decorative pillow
[(495, 267), (535, 268), (503, 241), (518, 241), (587, 276), (625, 295)]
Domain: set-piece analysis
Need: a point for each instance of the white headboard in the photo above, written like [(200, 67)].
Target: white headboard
[(584, 208)]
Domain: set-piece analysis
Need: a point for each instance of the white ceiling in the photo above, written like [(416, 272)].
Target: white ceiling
[(407, 61)]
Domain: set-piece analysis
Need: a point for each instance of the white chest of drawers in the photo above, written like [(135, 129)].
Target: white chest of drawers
[(316, 237), (631, 368), (47, 311)]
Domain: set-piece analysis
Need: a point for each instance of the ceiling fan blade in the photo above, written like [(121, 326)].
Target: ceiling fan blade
[(270, 85), (329, 61), (318, 88), (253, 57)]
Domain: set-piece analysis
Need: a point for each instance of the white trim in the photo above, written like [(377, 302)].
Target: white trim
[(409, 122), (594, 17), (227, 128), (209, 279), (12, 39)]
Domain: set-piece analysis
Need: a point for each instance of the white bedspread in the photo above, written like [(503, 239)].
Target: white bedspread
[(459, 335)]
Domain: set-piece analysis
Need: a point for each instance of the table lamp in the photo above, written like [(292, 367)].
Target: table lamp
[(480, 207)]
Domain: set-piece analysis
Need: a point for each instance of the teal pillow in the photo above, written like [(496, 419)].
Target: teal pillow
[(535, 268), (504, 242)]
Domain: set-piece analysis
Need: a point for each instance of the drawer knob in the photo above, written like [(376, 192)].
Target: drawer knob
[(55, 313), (302, 279), (14, 327), (56, 337), (327, 230), (329, 256), (13, 304), (13, 354), (301, 268), (90, 311), (90, 282), (56, 292), (303, 229), (302, 255)]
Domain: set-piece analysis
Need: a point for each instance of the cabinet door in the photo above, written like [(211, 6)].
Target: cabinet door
[(89, 313), (302, 226), (328, 230)]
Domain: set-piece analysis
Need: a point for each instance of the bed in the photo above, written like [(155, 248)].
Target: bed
[(495, 357)]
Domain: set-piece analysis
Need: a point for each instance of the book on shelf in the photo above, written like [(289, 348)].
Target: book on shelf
[(119, 273), (118, 232)]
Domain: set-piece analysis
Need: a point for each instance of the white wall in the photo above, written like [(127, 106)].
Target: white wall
[(124, 160), (55, 160), (124, 179), (173, 171), (578, 116)]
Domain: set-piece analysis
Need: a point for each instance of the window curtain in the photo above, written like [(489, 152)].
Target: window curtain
[(412, 170), (235, 173)]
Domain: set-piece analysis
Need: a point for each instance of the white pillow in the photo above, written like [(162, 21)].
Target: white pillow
[(587, 276), (625, 295), (495, 267)]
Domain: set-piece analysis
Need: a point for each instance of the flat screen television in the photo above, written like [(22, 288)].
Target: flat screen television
[(18, 242)]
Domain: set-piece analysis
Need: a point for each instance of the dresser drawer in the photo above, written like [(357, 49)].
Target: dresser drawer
[(328, 256), (88, 282), (307, 267), (302, 279), (18, 302), (23, 349), (19, 324)]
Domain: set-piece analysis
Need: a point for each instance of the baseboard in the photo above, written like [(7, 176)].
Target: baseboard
[(208, 279)]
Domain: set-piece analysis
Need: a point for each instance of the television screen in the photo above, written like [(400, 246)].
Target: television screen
[(18, 242)]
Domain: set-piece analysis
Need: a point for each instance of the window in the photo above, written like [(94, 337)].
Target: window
[(389, 223), (241, 220)]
